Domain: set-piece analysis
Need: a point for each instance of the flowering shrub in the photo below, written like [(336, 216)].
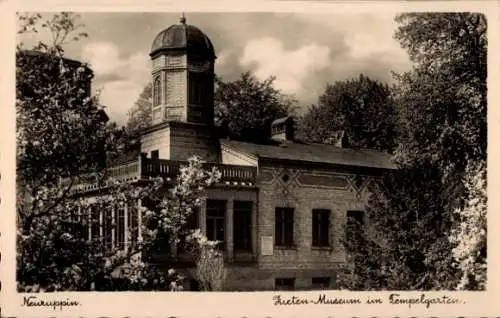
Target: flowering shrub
[(210, 271), (469, 234)]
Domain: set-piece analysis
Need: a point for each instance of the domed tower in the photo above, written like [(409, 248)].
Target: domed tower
[(183, 95), (183, 75)]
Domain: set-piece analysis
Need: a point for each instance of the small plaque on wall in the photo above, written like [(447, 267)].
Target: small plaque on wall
[(266, 245)]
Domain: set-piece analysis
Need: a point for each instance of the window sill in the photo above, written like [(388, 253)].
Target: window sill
[(322, 248), (285, 247)]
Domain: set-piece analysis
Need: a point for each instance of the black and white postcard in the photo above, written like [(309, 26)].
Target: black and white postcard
[(275, 158)]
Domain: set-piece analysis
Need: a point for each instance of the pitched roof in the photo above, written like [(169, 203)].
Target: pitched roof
[(314, 153)]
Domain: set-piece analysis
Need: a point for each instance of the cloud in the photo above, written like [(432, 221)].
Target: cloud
[(118, 96), (305, 51), (268, 57), (119, 79)]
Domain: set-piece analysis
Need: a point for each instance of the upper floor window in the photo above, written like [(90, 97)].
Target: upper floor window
[(283, 227), (321, 227), (157, 91), (199, 88)]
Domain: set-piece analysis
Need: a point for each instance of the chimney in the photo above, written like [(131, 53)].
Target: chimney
[(282, 129)]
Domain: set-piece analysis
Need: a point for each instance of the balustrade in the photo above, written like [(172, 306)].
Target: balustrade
[(146, 168)]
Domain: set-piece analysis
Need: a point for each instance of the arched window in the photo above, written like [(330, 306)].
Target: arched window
[(157, 91)]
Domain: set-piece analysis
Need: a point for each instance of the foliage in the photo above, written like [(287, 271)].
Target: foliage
[(360, 111), (139, 116), (396, 246), (62, 132), (61, 129), (246, 107), (444, 95), (470, 233), (210, 270), (441, 106)]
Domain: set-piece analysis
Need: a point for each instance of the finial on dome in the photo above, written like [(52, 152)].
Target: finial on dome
[(183, 18)]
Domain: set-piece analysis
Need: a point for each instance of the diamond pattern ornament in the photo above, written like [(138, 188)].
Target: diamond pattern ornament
[(287, 181), (358, 183)]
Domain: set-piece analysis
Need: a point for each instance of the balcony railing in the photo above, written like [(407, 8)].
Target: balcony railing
[(144, 169)]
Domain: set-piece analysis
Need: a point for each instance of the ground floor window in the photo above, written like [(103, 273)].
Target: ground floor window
[(283, 230), (108, 228), (95, 222), (242, 225), (321, 228), (120, 228), (192, 223), (216, 221)]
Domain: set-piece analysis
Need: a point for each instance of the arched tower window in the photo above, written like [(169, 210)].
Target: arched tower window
[(157, 91)]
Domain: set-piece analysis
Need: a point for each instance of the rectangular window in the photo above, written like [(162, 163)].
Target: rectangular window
[(320, 282), (355, 220), (120, 228), (242, 225), (133, 223), (284, 284), (95, 222), (108, 228), (86, 223), (321, 228), (216, 221), (284, 227)]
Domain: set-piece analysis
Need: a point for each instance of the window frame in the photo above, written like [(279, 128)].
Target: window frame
[(242, 239), (157, 91), (220, 207), (119, 239), (321, 224), (284, 223)]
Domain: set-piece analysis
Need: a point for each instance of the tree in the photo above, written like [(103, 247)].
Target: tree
[(406, 225), (444, 95), (419, 215), (62, 133), (246, 107), (234, 101), (139, 116), (360, 111), (61, 129)]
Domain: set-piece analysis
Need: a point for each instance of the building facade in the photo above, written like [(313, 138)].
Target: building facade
[(280, 208)]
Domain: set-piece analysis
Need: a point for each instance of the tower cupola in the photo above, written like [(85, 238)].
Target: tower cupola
[(182, 75)]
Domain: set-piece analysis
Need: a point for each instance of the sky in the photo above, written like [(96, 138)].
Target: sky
[(305, 51)]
